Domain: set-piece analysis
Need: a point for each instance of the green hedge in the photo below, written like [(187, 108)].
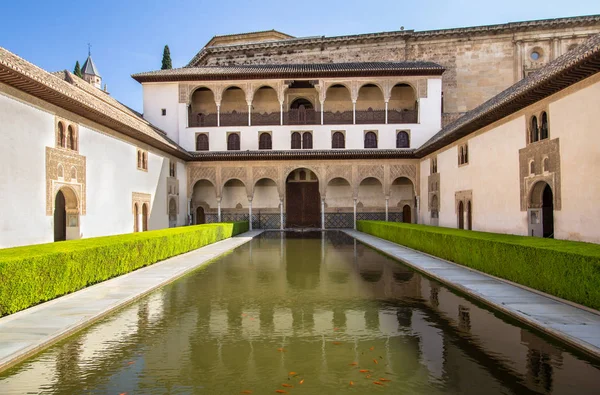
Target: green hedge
[(567, 269), (34, 274)]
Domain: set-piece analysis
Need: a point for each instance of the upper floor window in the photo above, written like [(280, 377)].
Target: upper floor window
[(60, 136), (202, 142), (538, 127), (338, 140), (534, 132), (463, 154), (233, 142), (302, 140), (544, 126), (172, 169), (142, 160), (370, 140), (163, 112), (402, 140), (66, 135), (433, 165), (265, 141)]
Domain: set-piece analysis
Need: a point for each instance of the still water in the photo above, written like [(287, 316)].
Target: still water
[(305, 313)]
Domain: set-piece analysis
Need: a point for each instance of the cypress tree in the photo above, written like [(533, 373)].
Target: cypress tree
[(77, 70), (166, 60)]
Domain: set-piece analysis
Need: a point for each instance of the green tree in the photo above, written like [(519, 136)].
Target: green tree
[(166, 61), (77, 70)]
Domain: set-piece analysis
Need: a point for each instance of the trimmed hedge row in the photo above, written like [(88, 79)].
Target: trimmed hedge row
[(34, 274), (567, 269)]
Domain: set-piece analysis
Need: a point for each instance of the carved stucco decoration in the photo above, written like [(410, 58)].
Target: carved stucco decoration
[(366, 171), (537, 153), (197, 173), (433, 188), (340, 171), (408, 171), (239, 173), (270, 172), (73, 169), (141, 199), (464, 197)]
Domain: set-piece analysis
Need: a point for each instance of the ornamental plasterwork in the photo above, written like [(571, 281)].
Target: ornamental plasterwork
[(141, 199), (65, 168), (375, 171), (464, 197), (408, 171), (197, 173), (344, 172)]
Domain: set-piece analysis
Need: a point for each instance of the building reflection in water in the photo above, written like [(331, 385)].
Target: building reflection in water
[(301, 293)]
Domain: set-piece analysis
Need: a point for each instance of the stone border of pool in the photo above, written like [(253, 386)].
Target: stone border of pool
[(29, 331), (575, 326)]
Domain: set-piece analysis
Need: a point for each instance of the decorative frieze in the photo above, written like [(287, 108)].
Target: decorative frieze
[(65, 168)]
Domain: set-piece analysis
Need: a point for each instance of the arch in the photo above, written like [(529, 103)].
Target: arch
[(370, 192), (60, 171), (234, 192), (200, 215), (401, 192), (546, 164), (434, 206), (372, 84), (338, 140), (370, 140), (172, 212), (533, 131), (402, 139), (370, 104), (532, 168), (544, 126), (307, 140), (406, 214), (403, 103), (265, 100), (338, 98), (233, 142), (202, 142), (303, 200), (139, 159), (73, 174), (70, 138), (66, 204), (542, 196), (265, 194), (301, 103), (61, 135), (204, 192), (296, 140), (469, 215), (136, 222), (461, 215), (461, 156), (314, 170), (202, 110), (144, 217), (265, 141)]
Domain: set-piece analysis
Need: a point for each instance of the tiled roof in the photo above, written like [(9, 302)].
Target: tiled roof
[(72, 94), (408, 34), (89, 67), (292, 71), (564, 71), (304, 154)]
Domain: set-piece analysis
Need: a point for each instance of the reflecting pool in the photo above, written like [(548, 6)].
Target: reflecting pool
[(305, 313)]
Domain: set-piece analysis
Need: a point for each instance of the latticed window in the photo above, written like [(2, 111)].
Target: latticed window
[(265, 141), (544, 126), (296, 140), (202, 142), (534, 131), (370, 140), (338, 140), (402, 140), (307, 140), (233, 142), (61, 135)]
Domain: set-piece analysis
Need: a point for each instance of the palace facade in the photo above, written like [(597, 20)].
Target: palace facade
[(488, 128)]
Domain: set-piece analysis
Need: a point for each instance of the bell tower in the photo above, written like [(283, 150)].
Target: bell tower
[(90, 72)]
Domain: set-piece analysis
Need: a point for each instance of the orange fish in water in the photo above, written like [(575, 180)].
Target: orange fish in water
[(243, 314), (352, 383), (375, 361), (292, 373), (281, 391), (372, 348), (130, 363), (377, 383), (287, 385), (353, 364), (251, 318), (123, 393), (336, 343), (382, 379), (246, 392), (368, 376), (301, 381), (336, 329), (281, 349), (364, 370)]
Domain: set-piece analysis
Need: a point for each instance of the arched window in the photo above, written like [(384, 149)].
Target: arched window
[(265, 141), (534, 132), (233, 142), (202, 142), (144, 217), (544, 126), (370, 140), (144, 160), (296, 140), (338, 140), (60, 139), (70, 138), (60, 171), (466, 154), (461, 215), (307, 140), (139, 159), (546, 164), (73, 174), (136, 211), (461, 156), (532, 168), (402, 140)]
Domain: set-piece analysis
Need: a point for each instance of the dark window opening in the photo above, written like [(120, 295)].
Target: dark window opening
[(370, 140), (233, 142)]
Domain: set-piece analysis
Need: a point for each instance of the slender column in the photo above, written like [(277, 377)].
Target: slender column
[(386, 114), (249, 114), (322, 111), (323, 214), (281, 113), (250, 212), (354, 112), (218, 115), (387, 205), (281, 213), (189, 210), (219, 209), (417, 209), (355, 213)]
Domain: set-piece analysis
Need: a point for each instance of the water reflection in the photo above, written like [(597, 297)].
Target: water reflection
[(312, 303)]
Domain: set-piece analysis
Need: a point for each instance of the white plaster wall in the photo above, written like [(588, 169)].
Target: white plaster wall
[(574, 120), (163, 95), (25, 131), (111, 177)]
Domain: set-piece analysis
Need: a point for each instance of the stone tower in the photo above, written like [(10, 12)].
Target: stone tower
[(90, 72)]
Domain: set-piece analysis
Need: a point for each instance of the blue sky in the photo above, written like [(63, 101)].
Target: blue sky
[(128, 36)]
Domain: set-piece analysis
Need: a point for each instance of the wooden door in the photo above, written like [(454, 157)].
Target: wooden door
[(406, 218), (302, 205)]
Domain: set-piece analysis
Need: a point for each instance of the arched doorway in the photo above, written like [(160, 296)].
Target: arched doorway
[(302, 199), (406, 218), (200, 218), (144, 217), (60, 217), (541, 210), (301, 111), (461, 215), (172, 213)]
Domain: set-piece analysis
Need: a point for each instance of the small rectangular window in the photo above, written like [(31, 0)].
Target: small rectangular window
[(164, 112)]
